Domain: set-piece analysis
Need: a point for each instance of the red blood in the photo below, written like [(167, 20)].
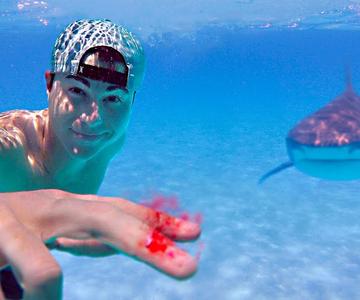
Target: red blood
[(164, 222), (158, 242), (185, 216), (157, 216), (198, 218), (201, 248), (168, 221), (162, 203), (160, 220)]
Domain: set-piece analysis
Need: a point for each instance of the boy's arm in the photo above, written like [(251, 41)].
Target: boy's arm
[(13, 160)]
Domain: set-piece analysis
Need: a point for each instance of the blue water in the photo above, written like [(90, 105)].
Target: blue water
[(210, 119)]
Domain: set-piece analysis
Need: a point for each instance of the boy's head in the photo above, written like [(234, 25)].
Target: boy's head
[(97, 67)]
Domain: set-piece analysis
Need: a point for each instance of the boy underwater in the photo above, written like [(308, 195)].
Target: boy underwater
[(58, 157)]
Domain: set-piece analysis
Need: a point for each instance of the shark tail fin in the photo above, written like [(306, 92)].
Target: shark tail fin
[(348, 79), (278, 169)]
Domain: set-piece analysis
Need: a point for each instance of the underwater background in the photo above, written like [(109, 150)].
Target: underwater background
[(225, 82)]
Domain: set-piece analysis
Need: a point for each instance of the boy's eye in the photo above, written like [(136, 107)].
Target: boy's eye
[(113, 99), (77, 91)]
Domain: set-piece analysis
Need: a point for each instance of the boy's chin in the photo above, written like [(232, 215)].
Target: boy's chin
[(83, 153)]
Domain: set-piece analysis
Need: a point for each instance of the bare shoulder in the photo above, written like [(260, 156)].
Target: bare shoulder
[(17, 127), (21, 134)]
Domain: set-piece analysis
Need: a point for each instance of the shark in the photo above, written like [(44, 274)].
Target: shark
[(326, 144)]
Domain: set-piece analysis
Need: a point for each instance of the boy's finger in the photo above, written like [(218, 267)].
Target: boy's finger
[(173, 227), (77, 219), (134, 237), (91, 247)]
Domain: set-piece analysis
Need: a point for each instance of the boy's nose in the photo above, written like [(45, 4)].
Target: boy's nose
[(93, 116)]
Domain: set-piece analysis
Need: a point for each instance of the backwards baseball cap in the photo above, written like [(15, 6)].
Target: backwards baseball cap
[(80, 36)]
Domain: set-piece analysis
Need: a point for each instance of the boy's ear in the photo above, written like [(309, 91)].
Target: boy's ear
[(49, 77)]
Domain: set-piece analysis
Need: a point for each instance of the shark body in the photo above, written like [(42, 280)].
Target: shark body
[(326, 144)]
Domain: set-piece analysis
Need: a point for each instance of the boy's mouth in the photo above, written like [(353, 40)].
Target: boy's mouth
[(87, 136)]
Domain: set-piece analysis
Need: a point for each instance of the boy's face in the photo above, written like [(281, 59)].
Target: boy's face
[(87, 115)]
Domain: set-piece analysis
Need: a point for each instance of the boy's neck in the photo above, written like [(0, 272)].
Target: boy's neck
[(65, 170)]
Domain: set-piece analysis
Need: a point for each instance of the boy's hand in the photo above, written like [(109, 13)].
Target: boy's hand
[(30, 219)]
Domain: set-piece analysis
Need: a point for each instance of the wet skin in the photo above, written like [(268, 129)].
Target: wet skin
[(69, 145), (60, 155)]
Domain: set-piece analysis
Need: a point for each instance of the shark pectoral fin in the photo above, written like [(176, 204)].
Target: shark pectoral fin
[(278, 169)]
